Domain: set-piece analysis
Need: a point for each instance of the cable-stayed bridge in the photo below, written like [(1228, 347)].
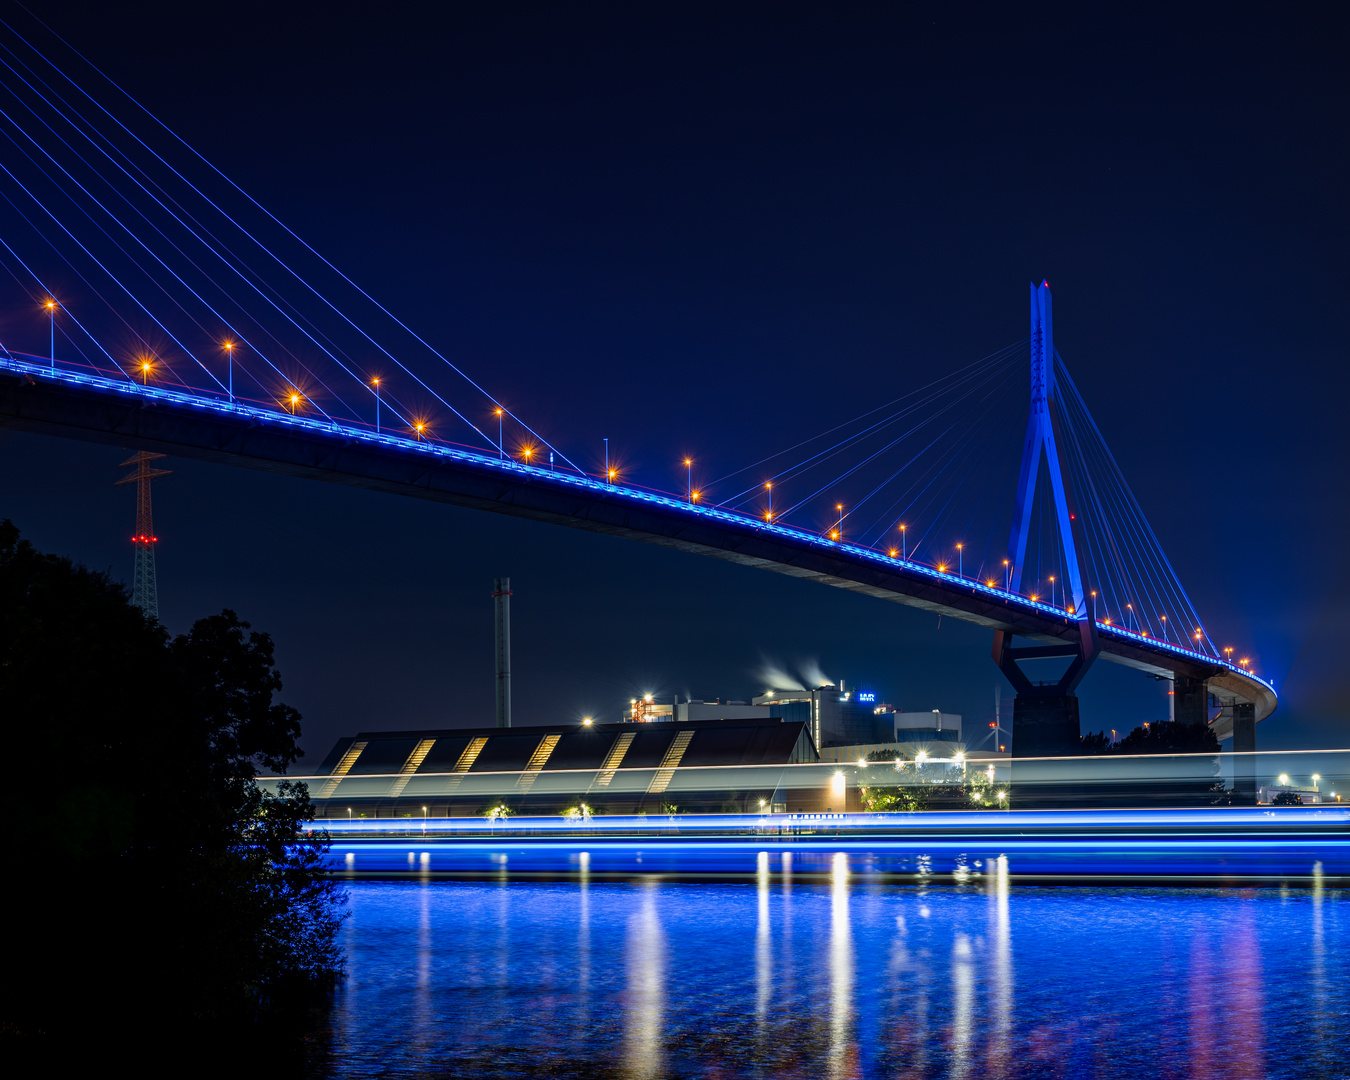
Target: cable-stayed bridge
[(192, 322)]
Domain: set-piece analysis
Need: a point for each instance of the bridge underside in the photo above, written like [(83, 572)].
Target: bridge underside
[(72, 410)]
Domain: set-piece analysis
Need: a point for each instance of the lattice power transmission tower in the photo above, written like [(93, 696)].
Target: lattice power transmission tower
[(144, 593)]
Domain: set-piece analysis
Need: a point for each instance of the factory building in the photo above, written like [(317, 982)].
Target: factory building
[(546, 769), (839, 717)]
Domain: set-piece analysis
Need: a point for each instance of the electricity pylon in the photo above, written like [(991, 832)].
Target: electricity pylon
[(144, 593)]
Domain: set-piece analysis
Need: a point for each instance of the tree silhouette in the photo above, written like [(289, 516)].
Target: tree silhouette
[(157, 886)]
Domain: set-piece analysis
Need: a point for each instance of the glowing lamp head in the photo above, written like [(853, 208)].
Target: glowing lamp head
[(942, 569), (587, 721), (1284, 780), (694, 495), (893, 553)]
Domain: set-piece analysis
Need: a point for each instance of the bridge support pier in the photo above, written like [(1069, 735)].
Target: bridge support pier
[(1045, 716), (1190, 700), (1045, 725), (1244, 760)]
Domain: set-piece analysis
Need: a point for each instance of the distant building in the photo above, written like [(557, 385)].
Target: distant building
[(835, 716), (644, 710), (934, 726), (544, 769)]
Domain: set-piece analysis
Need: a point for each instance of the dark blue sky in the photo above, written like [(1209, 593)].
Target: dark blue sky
[(708, 230)]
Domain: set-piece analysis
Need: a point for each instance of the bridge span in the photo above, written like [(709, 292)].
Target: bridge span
[(38, 397)]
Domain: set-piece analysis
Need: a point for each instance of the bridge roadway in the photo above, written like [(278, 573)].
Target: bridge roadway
[(118, 412)]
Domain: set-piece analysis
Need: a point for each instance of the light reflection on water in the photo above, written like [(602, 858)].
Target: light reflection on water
[(854, 978)]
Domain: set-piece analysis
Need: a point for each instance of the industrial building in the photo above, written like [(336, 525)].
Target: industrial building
[(839, 717), (612, 768)]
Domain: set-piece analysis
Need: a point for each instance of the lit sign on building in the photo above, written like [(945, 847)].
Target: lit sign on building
[(867, 696)]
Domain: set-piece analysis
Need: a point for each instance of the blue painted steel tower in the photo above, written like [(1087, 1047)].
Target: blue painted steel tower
[(1045, 714)]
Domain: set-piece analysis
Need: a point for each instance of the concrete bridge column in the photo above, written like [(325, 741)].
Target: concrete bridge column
[(1045, 725), (1190, 700), (1244, 743)]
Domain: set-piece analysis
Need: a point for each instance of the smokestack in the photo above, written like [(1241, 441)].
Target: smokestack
[(501, 592)]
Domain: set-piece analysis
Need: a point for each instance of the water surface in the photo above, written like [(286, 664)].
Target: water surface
[(857, 976)]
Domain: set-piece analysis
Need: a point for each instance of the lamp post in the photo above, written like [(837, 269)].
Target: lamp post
[(1052, 590), (229, 368), (501, 452), (145, 372), (839, 529), (375, 382), (769, 517), (904, 545), (1007, 576), (51, 315), (689, 478), (961, 562)]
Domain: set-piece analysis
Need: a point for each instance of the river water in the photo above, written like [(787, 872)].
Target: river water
[(839, 975)]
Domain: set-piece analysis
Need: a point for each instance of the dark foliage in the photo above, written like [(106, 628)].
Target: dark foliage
[(157, 896), (1163, 738), (1286, 798)]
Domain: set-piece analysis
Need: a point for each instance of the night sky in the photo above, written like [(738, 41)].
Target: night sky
[(710, 230)]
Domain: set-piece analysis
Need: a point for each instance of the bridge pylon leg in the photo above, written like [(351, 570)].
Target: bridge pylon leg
[(1190, 700), (1244, 751)]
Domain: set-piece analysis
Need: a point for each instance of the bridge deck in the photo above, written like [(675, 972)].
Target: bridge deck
[(122, 413)]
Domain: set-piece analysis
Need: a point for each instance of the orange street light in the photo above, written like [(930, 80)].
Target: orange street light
[(51, 318)]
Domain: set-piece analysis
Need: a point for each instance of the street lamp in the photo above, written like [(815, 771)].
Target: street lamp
[(769, 516), (961, 562), (904, 545), (375, 382), (1052, 590), (229, 363), (145, 372), (1007, 576), (501, 452), (51, 315), (419, 427), (689, 477)]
